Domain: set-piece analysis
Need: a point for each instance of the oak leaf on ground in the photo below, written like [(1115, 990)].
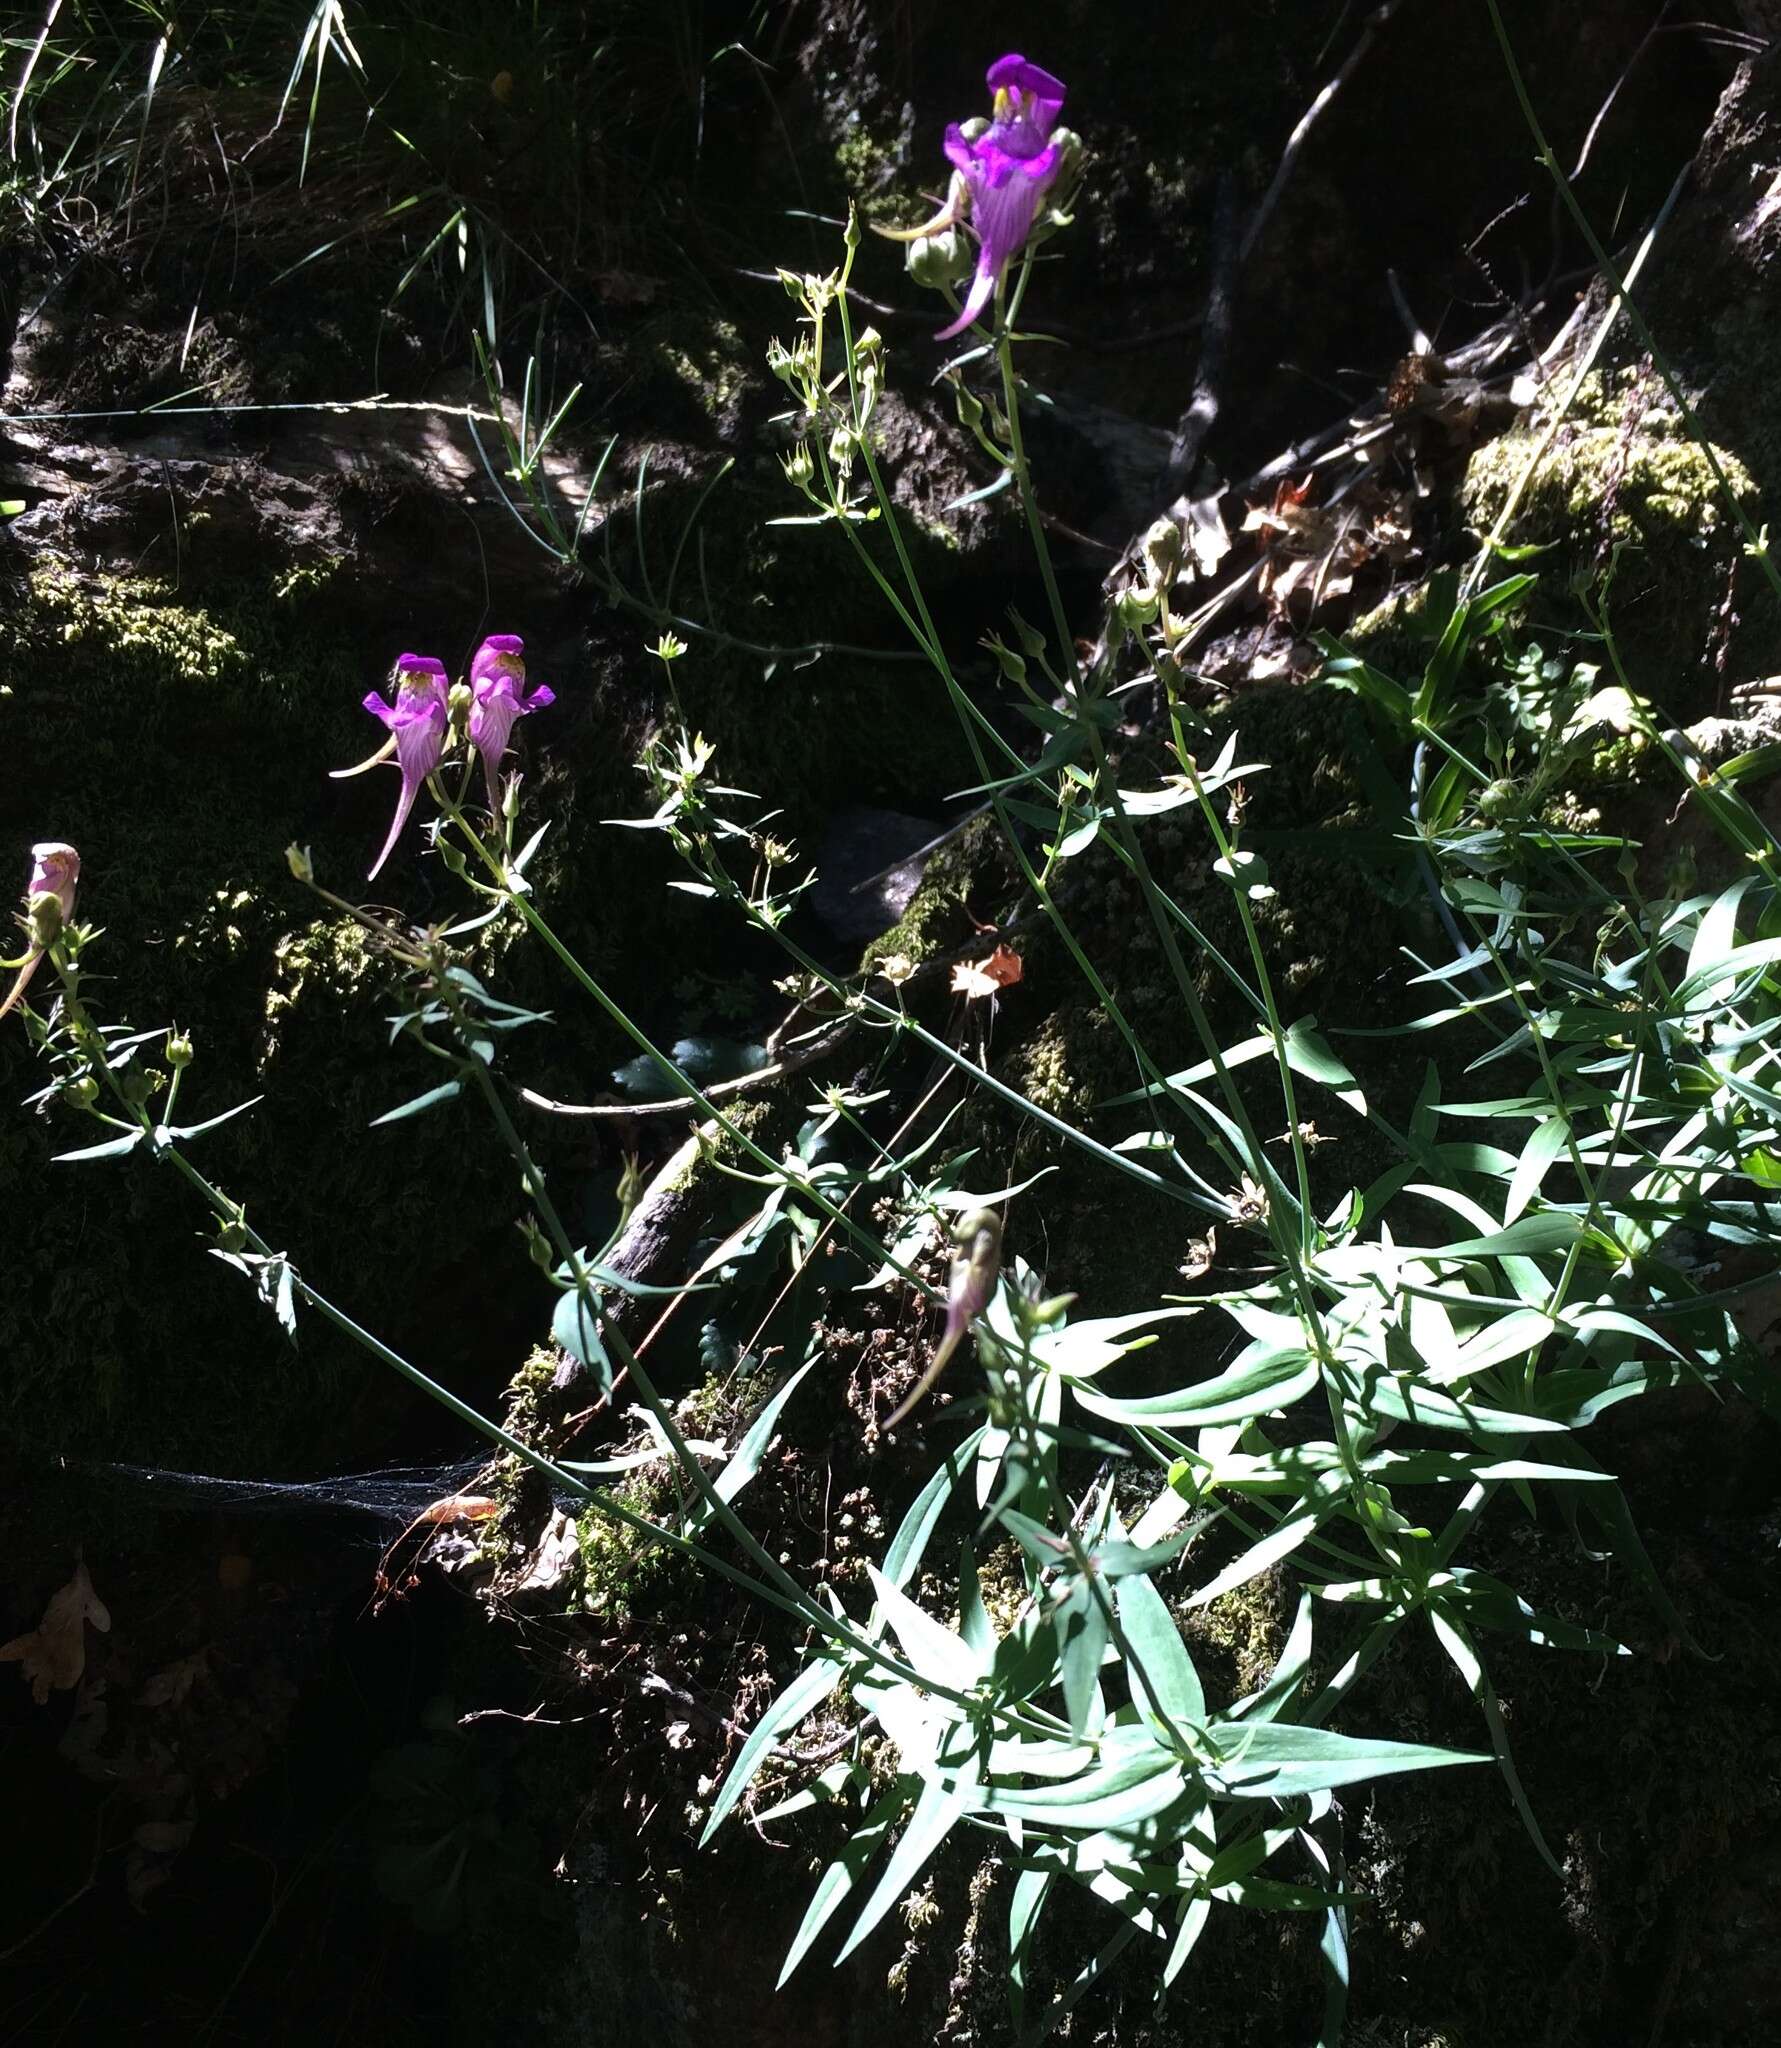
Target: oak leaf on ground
[(54, 1653)]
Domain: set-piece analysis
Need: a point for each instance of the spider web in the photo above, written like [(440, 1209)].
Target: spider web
[(390, 1495)]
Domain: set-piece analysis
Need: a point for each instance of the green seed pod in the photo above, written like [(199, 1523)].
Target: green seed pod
[(43, 919), (935, 261), (1136, 607)]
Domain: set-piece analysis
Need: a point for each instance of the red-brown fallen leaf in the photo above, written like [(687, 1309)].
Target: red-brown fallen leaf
[(54, 1653), (458, 1507), (975, 978)]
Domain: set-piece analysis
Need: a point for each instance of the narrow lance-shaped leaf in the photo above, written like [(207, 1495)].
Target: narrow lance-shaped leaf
[(1081, 1625), (113, 1148), (911, 1540), (933, 1649), (845, 1872), (1163, 1677), (1545, 1143), (1281, 1541), (799, 1699), (941, 1802), (416, 1104), (1279, 1760), (1453, 1637), (740, 1469), (1024, 1906), (1322, 1843)]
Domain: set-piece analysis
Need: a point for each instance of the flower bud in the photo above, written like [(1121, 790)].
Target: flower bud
[(298, 860), (1163, 549), (1049, 1311), (82, 1092), (179, 1050), (55, 866), (457, 708), (798, 467), (1068, 145)]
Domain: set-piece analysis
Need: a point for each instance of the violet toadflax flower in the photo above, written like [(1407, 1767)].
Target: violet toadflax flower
[(49, 904), (417, 719), (972, 1286), (499, 696), (1007, 170)]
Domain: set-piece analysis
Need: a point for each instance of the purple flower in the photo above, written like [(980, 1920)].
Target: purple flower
[(975, 1272), (55, 869), (49, 904), (1007, 170), (498, 697), (416, 720)]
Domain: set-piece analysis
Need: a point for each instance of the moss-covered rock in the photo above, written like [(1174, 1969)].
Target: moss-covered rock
[(190, 742), (1621, 490)]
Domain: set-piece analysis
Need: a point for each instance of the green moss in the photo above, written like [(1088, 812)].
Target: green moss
[(1623, 487), (132, 622), (1395, 636), (625, 1573), (1236, 1640), (872, 170), (193, 741), (967, 874), (712, 366), (1638, 468), (1069, 1062)]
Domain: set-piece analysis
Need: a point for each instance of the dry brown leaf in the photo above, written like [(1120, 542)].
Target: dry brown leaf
[(169, 1686), (54, 1653), (558, 1551), (988, 977)]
